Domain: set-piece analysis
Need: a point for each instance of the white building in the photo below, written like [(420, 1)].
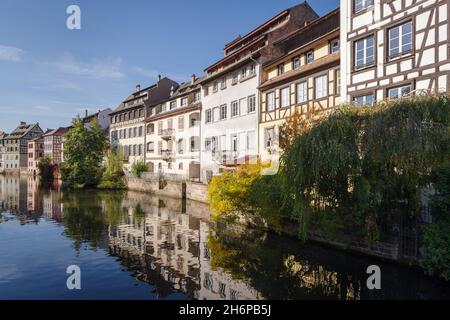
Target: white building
[(127, 129), (230, 115), (173, 133), (394, 48)]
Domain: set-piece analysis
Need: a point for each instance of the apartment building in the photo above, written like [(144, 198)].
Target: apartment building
[(15, 157), (53, 144), (173, 132), (128, 120), (2, 149), (230, 95), (102, 117), (35, 153), (303, 76), (393, 48)]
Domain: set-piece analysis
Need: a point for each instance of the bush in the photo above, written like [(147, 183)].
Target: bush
[(46, 168), (436, 242), (138, 168), (113, 175)]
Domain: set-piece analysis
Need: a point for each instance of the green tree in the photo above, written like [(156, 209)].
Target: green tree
[(46, 168), (139, 167), (113, 176), (84, 149)]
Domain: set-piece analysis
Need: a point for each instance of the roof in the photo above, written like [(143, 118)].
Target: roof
[(188, 87), (155, 93), (56, 132), (21, 130), (96, 114)]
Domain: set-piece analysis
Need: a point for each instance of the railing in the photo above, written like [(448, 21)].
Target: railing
[(167, 155), (167, 134)]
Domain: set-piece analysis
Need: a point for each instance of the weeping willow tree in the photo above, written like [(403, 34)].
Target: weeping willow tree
[(362, 163)]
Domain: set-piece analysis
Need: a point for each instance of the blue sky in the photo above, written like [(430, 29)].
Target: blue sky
[(49, 74)]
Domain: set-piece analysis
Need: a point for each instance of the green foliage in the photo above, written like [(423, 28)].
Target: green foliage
[(138, 168), (46, 168), (436, 242), (113, 176), (84, 149), (362, 162), (228, 193)]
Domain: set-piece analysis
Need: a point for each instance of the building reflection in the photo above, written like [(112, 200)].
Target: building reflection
[(168, 249)]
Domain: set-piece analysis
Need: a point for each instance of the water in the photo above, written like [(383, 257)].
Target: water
[(135, 246)]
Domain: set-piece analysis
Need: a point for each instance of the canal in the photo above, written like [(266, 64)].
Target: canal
[(134, 246)]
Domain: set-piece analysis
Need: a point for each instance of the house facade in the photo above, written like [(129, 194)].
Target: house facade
[(127, 122), (35, 153), (53, 144), (393, 48), (2, 149), (15, 157), (303, 77), (173, 132), (230, 96), (102, 117)]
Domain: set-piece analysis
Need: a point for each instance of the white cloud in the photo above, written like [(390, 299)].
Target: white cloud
[(109, 68), (10, 53)]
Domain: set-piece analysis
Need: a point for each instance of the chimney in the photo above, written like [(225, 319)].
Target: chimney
[(306, 23), (138, 88), (158, 78), (193, 78), (22, 123), (85, 113)]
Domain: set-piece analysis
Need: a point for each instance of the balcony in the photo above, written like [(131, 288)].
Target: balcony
[(168, 134), (167, 155)]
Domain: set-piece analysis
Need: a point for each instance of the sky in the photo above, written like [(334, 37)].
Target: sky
[(49, 74)]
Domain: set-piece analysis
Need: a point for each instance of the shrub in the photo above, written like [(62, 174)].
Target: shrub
[(46, 168), (138, 168), (113, 175)]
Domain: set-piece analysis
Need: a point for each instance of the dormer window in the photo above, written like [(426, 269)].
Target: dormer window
[(280, 69), (173, 104), (334, 46), (215, 87), (184, 101), (296, 63), (310, 57)]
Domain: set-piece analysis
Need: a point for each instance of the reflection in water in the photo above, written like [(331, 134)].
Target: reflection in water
[(183, 255)]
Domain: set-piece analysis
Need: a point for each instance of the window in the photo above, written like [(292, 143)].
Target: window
[(337, 77), (399, 92), (140, 149), (181, 123), (234, 79), (180, 166), (193, 143), (223, 112), (234, 143), (366, 100), (280, 69), (223, 84), (180, 146), (170, 124), (251, 104), (400, 40), (302, 92), (360, 5), (160, 128), (197, 96), (270, 101), (208, 144), (285, 95), (151, 128), (173, 104), (184, 101), (310, 57), (334, 46), (140, 131), (252, 70), (364, 52), (243, 73), (215, 87), (151, 147), (234, 109), (206, 91), (269, 137), (160, 145), (208, 116), (321, 86), (295, 63)]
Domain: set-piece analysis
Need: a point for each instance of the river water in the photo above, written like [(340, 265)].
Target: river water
[(135, 246)]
